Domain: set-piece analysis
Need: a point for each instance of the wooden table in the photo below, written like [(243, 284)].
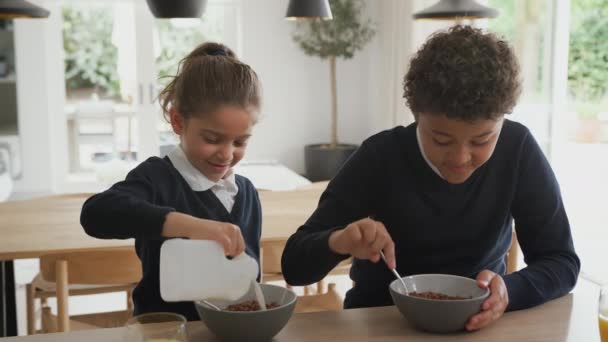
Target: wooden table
[(31, 228), (572, 318), (38, 226), (34, 227)]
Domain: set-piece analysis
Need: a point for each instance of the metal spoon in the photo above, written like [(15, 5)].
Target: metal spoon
[(395, 273), (211, 305)]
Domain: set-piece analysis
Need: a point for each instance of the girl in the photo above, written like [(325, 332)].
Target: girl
[(212, 104)]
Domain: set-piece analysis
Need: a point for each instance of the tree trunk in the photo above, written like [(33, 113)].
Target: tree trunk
[(334, 102)]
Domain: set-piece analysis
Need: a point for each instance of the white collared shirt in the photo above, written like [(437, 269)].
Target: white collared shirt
[(225, 189), (424, 155)]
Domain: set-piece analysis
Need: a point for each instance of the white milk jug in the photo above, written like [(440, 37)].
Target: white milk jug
[(198, 269)]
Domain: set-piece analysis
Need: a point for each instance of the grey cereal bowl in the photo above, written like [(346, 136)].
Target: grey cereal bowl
[(433, 315), (251, 326)]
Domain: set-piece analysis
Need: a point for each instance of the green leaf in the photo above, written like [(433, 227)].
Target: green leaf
[(341, 37), (90, 56), (588, 58)]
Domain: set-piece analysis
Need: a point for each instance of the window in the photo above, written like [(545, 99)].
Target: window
[(107, 76), (572, 126), (98, 41), (588, 71), (528, 26)]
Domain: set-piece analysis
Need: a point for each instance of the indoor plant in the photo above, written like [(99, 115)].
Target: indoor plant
[(329, 40)]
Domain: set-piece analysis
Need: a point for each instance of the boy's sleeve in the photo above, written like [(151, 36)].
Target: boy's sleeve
[(127, 210), (543, 232), (349, 196)]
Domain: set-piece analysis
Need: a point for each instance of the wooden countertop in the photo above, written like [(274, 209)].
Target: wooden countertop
[(34, 227)]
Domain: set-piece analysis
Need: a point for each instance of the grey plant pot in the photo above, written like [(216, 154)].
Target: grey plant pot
[(323, 162)]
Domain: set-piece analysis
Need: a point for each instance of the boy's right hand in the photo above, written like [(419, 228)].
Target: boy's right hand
[(187, 226), (364, 239)]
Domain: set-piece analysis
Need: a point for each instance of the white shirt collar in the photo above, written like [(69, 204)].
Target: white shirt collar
[(424, 154), (197, 180)]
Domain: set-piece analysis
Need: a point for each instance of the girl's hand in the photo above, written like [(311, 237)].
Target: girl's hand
[(364, 239), (495, 305), (226, 234)]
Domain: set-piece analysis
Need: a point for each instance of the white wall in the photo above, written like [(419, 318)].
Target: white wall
[(296, 109), (40, 88)]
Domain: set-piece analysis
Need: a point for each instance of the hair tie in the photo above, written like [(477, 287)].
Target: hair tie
[(218, 52)]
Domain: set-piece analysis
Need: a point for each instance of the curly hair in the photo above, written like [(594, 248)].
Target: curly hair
[(463, 73)]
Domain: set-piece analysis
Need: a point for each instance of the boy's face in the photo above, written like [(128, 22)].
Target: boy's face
[(215, 142), (455, 147)]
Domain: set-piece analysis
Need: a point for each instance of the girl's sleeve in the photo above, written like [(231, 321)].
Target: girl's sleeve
[(129, 209)]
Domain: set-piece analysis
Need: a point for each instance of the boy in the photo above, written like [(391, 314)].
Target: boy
[(440, 195)]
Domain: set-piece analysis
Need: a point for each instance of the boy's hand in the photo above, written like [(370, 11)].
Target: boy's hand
[(364, 239), (187, 226), (495, 305)]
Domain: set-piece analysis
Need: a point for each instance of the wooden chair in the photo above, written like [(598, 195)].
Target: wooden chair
[(513, 254), (284, 209), (312, 301), (82, 273), (329, 300)]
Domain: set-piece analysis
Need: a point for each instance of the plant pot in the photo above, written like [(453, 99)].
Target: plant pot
[(588, 131), (322, 162)]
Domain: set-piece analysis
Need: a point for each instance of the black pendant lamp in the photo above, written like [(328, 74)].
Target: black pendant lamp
[(456, 9), (11, 9), (177, 8), (308, 9)]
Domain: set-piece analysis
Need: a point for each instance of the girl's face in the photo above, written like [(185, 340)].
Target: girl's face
[(455, 147), (215, 142)]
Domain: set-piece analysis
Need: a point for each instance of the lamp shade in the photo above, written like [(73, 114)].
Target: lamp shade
[(456, 9), (177, 8), (308, 9), (21, 9)]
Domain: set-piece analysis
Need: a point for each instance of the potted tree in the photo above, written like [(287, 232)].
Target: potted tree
[(589, 126), (329, 40)]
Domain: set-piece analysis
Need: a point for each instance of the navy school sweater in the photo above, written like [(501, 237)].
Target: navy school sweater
[(439, 227), (137, 207)]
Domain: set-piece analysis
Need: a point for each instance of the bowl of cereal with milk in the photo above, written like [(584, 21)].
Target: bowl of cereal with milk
[(244, 319), (439, 303)]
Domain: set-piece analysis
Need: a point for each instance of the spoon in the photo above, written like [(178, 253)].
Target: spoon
[(211, 305), (395, 273)]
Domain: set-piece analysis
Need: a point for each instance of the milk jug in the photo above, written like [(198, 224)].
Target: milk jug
[(198, 269)]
